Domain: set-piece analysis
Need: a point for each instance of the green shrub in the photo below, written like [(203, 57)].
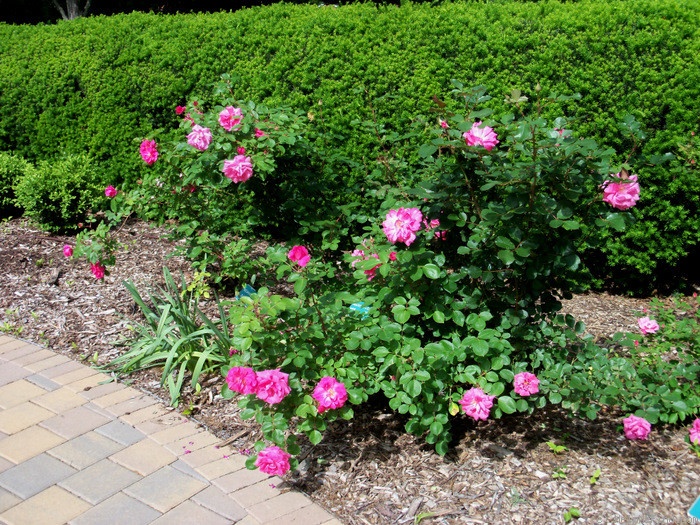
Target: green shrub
[(59, 194), (12, 168)]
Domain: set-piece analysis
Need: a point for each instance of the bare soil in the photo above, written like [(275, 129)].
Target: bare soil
[(368, 470)]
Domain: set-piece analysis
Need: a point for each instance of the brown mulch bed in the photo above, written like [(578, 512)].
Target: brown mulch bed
[(368, 470)]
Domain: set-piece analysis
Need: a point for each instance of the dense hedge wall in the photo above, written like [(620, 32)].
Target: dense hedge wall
[(99, 84)]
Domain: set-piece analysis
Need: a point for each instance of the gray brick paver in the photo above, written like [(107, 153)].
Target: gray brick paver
[(37, 474), (120, 508), (86, 449), (99, 481), (166, 488)]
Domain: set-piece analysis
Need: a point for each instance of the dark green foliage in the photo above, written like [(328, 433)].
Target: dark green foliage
[(12, 168), (100, 84), (59, 194)]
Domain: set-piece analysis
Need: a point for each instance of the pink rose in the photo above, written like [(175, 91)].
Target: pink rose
[(444, 124), (636, 427), (240, 169), (647, 326), (179, 110), (300, 255), (240, 150), (525, 384), (481, 136), (98, 270), (401, 225), (199, 138), (392, 256), (67, 250), (230, 117), (273, 461), (242, 379), (110, 191), (622, 193), (273, 386), (476, 403), (330, 394), (149, 151), (259, 133), (695, 432)]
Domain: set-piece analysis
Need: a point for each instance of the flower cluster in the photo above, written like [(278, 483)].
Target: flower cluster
[(481, 135), (621, 193), (636, 428), (299, 255), (240, 169), (401, 225), (271, 386), (647, 326), (149, 151)]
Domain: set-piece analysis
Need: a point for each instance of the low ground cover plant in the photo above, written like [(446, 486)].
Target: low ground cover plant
[(445, 299)]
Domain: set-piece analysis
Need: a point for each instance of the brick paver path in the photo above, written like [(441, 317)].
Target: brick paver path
[(76, 448)]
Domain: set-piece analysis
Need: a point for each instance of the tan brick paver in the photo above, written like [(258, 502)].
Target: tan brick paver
[(53, 506), (22, 416), (144, 457), (28, 443)]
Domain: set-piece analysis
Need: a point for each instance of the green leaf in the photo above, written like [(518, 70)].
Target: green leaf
[(431, 271), (506, 404), (315, 437), (506, 256)]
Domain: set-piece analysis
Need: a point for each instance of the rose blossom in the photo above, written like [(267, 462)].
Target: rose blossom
[(179, 110), (481, 136), (110, 191), (200, 137), (526, 384), (695, 432), (401, 225), (98, 270), (647, 325), (259, 133), (476, 403), (444, 124), (240, 169), (67, 250), (273, 461), (330, 394), (149, 151), (273, 386), (622, 193), (240, 150), (230, 117), (242, 379), (636, 427), (299, 255)]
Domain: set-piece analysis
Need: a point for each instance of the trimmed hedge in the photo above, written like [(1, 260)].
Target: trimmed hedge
[(100, 84)]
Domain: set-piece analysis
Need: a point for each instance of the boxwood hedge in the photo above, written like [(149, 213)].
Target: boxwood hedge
[(97, 85)]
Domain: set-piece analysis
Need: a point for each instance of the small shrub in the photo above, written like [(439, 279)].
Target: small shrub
[(12, 169), (59, 194)]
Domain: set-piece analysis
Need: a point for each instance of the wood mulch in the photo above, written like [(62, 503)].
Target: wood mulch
[(368, 470)]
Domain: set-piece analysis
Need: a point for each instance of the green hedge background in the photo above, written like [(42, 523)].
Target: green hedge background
[(98, 85)]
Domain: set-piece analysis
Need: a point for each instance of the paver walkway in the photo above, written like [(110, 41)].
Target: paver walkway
[(77, 449)]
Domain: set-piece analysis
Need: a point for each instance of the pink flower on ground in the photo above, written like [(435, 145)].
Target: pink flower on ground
[(273, 461), (647, 325), (259, 133), (230, 117), (401, 225), (299, 255), (273, 386), (149, 151), (242, 379), (110, 191), (330, 394), (476, 403), (636, 427), (622, 193), (67, 250), (695, 432), (199, 138), (240, 169), (179, 110), (481, 136), (525, 384), (98, 270)]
